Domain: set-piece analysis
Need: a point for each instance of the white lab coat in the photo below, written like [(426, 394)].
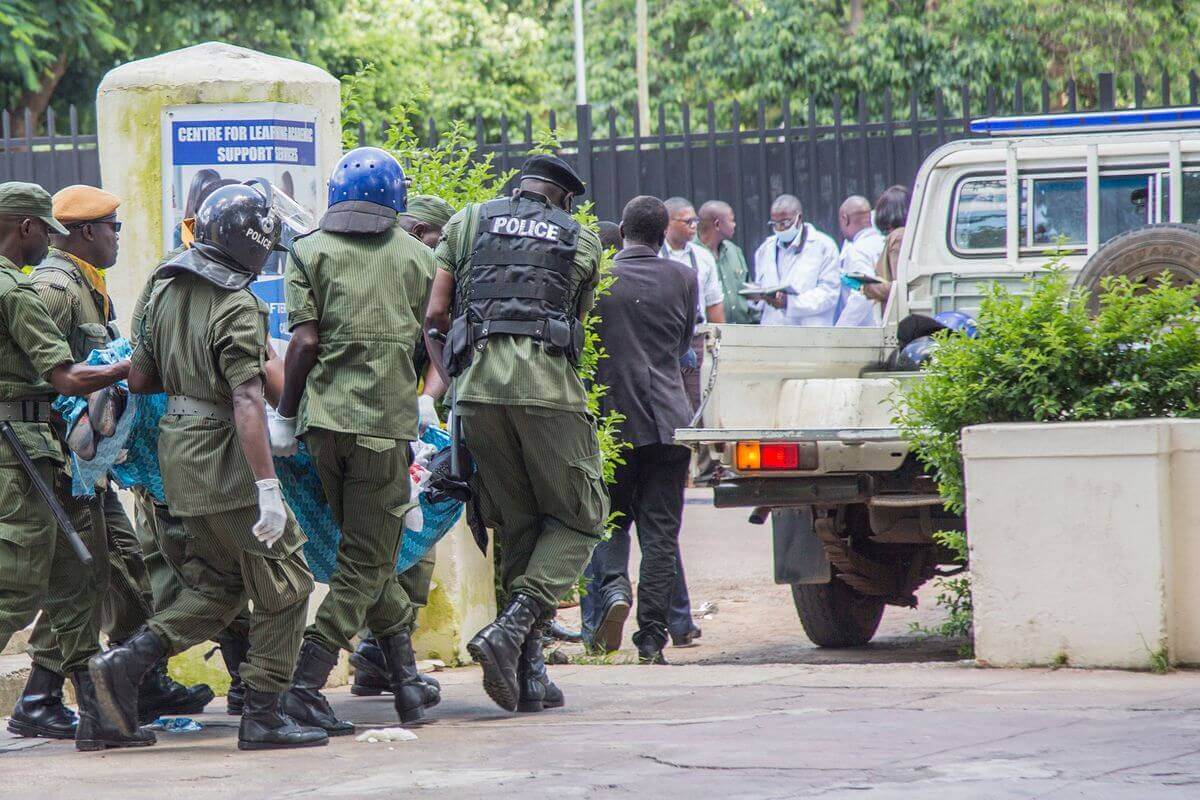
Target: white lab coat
[(811, 272), (859, 256)]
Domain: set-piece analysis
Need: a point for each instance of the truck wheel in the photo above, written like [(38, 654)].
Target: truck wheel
[(1142, 255), (834, 615)]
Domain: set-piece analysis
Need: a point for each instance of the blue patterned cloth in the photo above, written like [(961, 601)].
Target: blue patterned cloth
[(137, 437)]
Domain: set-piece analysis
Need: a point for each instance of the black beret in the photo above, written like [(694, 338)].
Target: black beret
[(555, 170)]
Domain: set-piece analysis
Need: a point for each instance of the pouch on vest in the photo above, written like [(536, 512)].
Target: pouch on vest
[(456, 356)]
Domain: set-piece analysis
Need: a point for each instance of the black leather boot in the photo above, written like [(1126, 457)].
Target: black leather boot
[(40, 711), (304, 701), (234, 648), (538, 692), (159, 694), (371, 674), (265, 727), (118, 672), (93, 732), (408, 690), (650, 647), (497, 648)]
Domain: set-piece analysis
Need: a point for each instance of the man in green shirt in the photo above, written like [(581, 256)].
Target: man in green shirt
[(205, 345), (717, 225), (356, 291), (71, 284), (424, 220), (37, 569), (519, 275)]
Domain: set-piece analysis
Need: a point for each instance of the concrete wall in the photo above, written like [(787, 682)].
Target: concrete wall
[(1085, 542)]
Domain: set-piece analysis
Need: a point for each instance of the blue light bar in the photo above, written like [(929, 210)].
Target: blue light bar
[(1136, 120)]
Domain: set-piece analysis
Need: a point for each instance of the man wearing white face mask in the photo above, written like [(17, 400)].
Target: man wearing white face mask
[(801, 263)]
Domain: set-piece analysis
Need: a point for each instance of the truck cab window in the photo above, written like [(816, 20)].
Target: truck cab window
[(979, 216), (1125, 203), (1059, 213)]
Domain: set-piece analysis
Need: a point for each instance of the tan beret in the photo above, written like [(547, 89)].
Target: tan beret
[(80, 203)]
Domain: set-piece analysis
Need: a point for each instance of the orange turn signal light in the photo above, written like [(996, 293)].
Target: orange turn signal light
[(775, 456)]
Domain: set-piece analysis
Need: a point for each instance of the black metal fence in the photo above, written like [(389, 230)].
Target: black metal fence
[(821, 155)]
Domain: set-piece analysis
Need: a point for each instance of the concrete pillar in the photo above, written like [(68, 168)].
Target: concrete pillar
[(130, 107), (461, 601)]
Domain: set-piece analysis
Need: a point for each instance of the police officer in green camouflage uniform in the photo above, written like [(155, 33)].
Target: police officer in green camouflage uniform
[(356, 294), (73, 288), (160, 533), (37, 568), (424, 220), (205, 344), (518, 275)]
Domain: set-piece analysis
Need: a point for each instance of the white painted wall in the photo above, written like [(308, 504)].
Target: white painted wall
[(1084, 541)]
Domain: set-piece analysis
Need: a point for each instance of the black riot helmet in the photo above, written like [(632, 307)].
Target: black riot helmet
[(237, 226)]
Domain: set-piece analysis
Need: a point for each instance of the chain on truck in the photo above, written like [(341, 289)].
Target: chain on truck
[(800, 418)]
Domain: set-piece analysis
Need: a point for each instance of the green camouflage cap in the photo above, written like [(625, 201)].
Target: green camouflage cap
[(429, 209), (19, 199)]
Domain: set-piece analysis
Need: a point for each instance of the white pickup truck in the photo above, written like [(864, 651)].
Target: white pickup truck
[(800, 419)]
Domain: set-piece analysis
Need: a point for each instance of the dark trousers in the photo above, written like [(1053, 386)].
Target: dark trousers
[(648, 493)]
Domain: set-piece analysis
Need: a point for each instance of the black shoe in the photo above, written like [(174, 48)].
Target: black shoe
[(118, 672), (371, 676), (93, 733), (265, 727), (497, 648), (556, 631), (688, 639), (411, 694), (234, 648), (40, 711), (304, 701), (160, 695), (538, 692), (607, 637), (650, 647)]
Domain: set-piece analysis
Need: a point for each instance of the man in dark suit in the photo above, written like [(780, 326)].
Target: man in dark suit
[(646, 326)]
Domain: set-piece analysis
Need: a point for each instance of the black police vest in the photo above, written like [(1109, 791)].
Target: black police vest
[(520, 278)]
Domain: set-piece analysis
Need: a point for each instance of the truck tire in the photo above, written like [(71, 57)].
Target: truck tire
[(1143, 254), (834, 615)]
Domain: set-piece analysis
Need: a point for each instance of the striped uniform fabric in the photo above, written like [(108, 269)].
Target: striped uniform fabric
[(541, 488), (80, 311), (202, 342), (37, 569), (367, 296), (223, 567), (515, 370)]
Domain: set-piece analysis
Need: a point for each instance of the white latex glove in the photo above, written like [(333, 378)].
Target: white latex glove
[(272, 514), (427, 415), (283, 434)]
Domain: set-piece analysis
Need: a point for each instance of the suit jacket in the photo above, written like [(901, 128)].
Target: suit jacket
[(646, 325)]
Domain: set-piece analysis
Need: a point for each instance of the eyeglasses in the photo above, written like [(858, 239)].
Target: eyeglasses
[(116, 226), (691, 222), (782, 225)]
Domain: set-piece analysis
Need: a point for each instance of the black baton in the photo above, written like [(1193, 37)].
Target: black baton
[(60, 515)]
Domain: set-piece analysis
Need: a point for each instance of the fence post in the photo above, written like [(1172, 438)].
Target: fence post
[(966, 109), (662, 149), (1139, 91), (789, 181), (689, 180), (811, 186), (614, 177), (1165, 89), (1105, 90), (764, 182), (29, 146), (583, 124), (864, 154), (711, 136), (1193, 87), (74, 118), (739, 185)]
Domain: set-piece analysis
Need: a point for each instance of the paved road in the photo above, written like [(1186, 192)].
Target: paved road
[(760, 714)]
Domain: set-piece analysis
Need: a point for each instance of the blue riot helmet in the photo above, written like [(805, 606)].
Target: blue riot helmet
[(370, 175), (960, 322), (915, 354)]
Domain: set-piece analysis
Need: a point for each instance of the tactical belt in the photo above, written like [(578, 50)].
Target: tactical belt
[(184, 406), (27, 411), (481, 330)]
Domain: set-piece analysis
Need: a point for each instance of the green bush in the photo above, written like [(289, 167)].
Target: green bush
[(1042, 357)]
